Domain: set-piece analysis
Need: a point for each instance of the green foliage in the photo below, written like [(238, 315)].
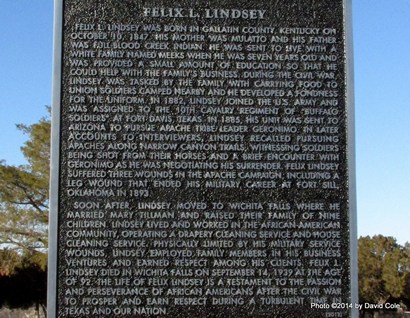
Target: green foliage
[(384, 269), (37, 149), (406, 264), (9, 260), (24, 193)]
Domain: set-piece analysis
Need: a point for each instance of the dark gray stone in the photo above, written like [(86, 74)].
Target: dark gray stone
[(202, 160)]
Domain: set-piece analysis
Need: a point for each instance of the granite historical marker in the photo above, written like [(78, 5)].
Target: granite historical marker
[(202, 159)]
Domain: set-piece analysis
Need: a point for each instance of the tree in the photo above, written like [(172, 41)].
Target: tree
[(24, 193), (24, 221), (26, 285), (406, 274), (384, 269), (9, 260)]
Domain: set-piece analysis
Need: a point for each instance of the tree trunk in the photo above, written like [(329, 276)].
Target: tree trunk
[(44, 310), (362, 313)]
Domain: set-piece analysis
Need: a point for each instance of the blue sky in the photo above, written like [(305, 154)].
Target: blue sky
[(382, 86)]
